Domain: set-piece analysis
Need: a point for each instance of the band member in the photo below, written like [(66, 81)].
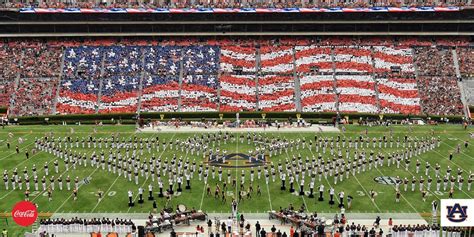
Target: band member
[(341, 199), (150, 192), (423, 195), (331, 196), (188, 180), (179, 181), (302, 187), (50, 195), (311, 189), (372, 195), (68, 183), (321, 191), (5, 181), (140, 195), (130, 198), (60, 183), (99, 195)]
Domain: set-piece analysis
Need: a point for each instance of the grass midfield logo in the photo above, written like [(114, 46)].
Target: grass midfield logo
[(24, 213), (237, 160)]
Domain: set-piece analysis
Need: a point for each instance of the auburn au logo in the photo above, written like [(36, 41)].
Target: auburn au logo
[(457, 213), (237, 160)]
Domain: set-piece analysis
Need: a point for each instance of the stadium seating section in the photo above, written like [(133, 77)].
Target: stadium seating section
[(368, 75)]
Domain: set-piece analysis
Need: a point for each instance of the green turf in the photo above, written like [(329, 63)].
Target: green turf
[(272, 197)]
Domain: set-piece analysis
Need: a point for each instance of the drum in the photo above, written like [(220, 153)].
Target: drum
[(181, 208)]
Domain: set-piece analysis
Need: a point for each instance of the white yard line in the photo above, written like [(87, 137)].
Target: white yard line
[(461, 150), (450, 161), (89, 153), (415, 175), (166, 146), (6, 194), (368, 195), (327, 181), (30, 184), (202, 197), (400, 194), (20, 149), (104, 194), (72, 193), (454, 164), (117, 148), (298, 183), (237, 183), (435, 151), (25, 160), (269, 199), (41, 193), (134, 199)]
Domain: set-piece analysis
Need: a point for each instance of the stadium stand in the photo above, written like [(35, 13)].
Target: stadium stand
[(78, 96), (317, 93), (9, 59), (199, 93), (447, 99), (161, 84), (119, 94), (398, 95), (353, 59), (39, 60), (199, 85), (160, 93), (238, 93), (468, 86), (434, 61), (122, 68), (466, 61), (34, 96), (387, 58), (276, 93), (356, 93), (79, 88), (371, 75)]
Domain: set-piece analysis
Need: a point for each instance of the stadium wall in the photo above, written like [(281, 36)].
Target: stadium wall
[(130, 118), (14, 24)]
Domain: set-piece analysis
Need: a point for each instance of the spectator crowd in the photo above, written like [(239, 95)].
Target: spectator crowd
[(80, 225), (372, 75), (229, 4)]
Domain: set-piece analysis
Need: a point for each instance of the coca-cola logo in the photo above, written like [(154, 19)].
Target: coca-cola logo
[(24, 213)]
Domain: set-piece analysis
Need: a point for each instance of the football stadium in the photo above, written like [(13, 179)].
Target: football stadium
[(237, 118)]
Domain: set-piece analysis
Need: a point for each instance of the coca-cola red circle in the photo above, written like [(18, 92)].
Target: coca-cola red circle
[(24, 213)]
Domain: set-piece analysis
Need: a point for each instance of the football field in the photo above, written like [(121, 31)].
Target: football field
[(359, 186)]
